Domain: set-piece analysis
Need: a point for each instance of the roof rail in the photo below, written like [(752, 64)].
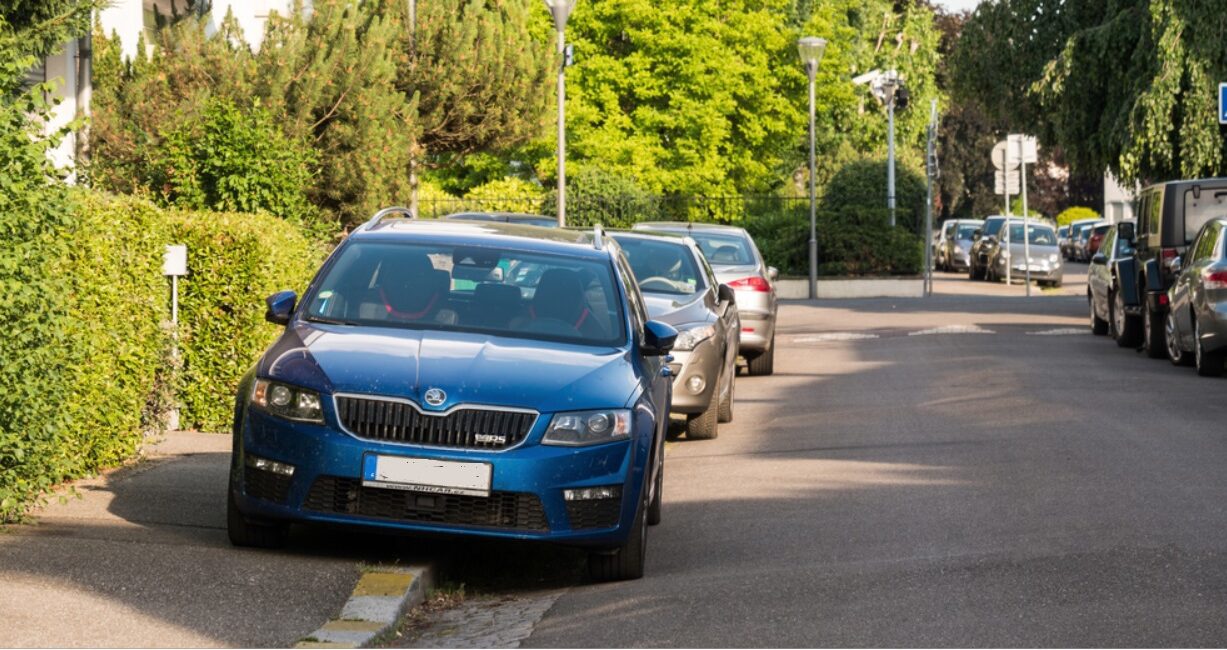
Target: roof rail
[(598, 237), (379, 216)]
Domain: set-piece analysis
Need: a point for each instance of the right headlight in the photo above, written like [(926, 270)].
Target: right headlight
[(582, 428), (289, 402), (689, 337)]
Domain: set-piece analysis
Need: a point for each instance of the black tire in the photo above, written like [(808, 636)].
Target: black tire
[(704, 426), (1152, 335), (246, 531), (1126, 329), (655, 507), (763, 364), (725, 412), (624, 562), (1175, 353), (1209, 364), (1099, 326)]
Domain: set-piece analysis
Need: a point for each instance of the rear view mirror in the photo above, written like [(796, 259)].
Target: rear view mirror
[(280, 307), (773, 273), (1176, 264), (726, 294), (658, 338), (1099, 259)]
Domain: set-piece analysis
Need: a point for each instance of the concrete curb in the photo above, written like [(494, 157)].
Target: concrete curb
[(380, 598), (838, 288)]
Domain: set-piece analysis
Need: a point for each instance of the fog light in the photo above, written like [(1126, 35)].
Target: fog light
[(267, 465), (696, 384), (593, 493)]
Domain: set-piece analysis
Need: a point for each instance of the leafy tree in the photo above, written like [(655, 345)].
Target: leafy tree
[(1075, 213), (506, 194)]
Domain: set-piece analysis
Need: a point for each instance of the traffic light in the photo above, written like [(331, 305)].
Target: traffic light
[(901, 98)]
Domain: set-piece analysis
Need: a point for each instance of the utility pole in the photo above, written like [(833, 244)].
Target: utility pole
[(560, 10), (811, 48), (930, 174), (413, 153), (890, 146)]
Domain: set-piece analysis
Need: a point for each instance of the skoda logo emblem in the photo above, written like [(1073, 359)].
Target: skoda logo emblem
[(435, 397)]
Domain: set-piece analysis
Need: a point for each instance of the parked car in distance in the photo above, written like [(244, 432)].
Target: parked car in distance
[(1082, 241), (681, 289), (956, 250), (984, 239), (1196, 329), (939, 244), (1039, 254), (735, 259), (1103, 288), (394, 401), (1169, 216), (1069, 246), (506, 217), (1062, 235), (1096, 239)]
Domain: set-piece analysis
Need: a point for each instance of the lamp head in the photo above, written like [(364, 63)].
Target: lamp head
[(811, 48), (560, 10)]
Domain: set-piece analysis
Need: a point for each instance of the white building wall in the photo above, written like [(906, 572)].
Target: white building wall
[(1117, 200), (126, 18)]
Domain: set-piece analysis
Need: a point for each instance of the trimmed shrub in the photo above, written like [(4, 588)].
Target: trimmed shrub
[(234, 262), (862, 242), (1076, 213), (506, 195), (861, 185), (598, 196), (783, 239)]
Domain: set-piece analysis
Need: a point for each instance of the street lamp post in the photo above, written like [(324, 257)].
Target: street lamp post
[(561, 10), (811, 48)]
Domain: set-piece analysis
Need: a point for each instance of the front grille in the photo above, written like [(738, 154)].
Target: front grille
[(598, 513), (388, 421), (265, 485), (500, 510)]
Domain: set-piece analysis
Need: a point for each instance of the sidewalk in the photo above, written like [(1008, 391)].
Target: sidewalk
[(142, 560)]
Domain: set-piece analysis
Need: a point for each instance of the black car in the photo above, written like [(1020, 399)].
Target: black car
[(1103, 294), (1169, 216)]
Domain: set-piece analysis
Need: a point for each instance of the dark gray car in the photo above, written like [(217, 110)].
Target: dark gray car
[(1196, 327), (681, 289)]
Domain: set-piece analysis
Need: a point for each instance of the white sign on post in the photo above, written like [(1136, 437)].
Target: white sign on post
[(174, 260), (1024, 148), (1007, 182)]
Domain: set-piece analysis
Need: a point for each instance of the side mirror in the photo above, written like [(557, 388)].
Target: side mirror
[(1175, 265), (726, 294), (280, 307), (773, 273), (1126, 231), (1100, 259), (658, 338)]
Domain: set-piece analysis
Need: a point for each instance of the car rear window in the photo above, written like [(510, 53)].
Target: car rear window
[(662, 266), (1040, 235), (966, 230), (1199, 211), (478, 289), (724, 250)]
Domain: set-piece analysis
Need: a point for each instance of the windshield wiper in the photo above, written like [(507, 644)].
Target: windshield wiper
[(330, 321)]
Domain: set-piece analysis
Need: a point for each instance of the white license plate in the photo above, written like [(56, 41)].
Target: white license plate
[(426, 475)]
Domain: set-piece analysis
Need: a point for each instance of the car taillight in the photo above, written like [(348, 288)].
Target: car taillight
[(1215, 280), (1169, 253), (753, 283)]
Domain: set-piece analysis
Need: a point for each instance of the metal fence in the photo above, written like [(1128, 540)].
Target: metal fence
[(622, 211)]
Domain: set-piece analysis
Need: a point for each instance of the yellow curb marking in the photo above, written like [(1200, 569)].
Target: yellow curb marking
[(353, 626), (384, 584)]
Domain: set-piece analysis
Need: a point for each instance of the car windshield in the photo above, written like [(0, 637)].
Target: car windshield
[(726, 250), (1039, 235), (472, 289), (991, 227), (662, 266), (966, 230)]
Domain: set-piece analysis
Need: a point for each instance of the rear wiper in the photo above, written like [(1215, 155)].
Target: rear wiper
[(330, 321)]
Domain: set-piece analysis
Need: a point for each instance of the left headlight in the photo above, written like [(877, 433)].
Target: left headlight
[(689, 337), (582, 428), (286, 401), (1053, 258)]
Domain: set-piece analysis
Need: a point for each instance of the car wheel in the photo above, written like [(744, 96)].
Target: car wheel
[(1152, 335), (658, 496), (763, 364), (725, 413), (1099, 326), (1171, 336), (626, 561), (704, 425), (246, 531), (1124, 327), (1209, 364)]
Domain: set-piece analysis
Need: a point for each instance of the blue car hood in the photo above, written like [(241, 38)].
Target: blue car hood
[(470, 368)]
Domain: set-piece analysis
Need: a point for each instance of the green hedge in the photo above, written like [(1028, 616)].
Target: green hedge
[(234, 262), (85, 366)]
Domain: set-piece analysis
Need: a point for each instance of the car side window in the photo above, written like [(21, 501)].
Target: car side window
[(1199, 249), (712, 282), (1109, 243), (639, 314)]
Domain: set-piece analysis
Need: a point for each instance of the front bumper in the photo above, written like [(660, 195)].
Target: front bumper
[(960, 261), (525, 502), (1042, 271), (703, 363)]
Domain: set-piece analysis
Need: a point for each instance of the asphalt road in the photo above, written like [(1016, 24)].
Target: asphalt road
[(982, 472)]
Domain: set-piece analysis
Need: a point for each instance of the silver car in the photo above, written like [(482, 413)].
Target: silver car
[(681, 289), (1045, 255), (735, 259), (1197, 320), (955, 254)]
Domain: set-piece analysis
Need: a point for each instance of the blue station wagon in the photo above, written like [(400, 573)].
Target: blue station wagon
[(462, 378)]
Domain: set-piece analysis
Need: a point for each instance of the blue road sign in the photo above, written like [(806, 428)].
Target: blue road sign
[(1222, 103)]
